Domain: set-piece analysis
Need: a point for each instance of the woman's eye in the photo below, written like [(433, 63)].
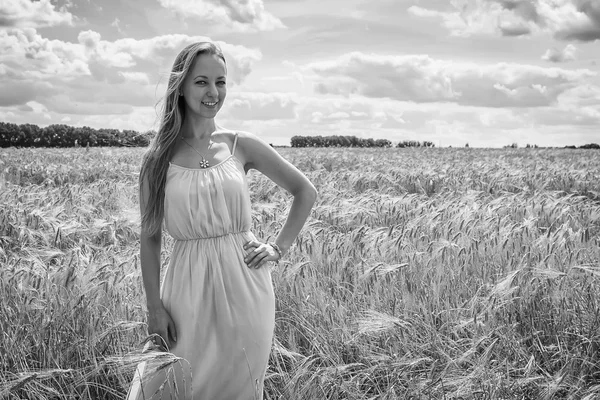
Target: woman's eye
[(221, 83), (200, 82)]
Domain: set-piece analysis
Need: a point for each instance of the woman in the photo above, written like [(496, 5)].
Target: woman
[(215, 307)]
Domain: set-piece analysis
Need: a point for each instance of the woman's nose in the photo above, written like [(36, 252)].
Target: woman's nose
[(212, 90)]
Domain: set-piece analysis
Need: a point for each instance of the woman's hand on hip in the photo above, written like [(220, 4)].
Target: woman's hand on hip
[(161, 323), (259, 253)]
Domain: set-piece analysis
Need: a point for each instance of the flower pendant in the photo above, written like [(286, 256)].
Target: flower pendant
[(204, 163)]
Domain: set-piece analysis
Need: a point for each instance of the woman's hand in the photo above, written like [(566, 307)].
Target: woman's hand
[(259, 253), (161, 323)]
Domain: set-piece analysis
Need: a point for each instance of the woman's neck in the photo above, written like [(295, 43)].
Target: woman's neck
[(197, 127)]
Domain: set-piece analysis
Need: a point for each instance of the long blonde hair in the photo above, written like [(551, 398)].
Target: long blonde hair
[(155, 161)]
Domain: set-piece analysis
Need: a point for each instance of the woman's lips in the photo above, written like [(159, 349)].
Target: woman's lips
[(210, 104)]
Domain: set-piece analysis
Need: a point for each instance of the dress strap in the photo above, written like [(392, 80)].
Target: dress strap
[(234, 144)]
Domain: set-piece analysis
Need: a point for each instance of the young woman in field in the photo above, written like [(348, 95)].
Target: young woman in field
[(215, 307)]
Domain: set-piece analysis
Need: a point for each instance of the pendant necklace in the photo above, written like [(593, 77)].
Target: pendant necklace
[(203, 163)]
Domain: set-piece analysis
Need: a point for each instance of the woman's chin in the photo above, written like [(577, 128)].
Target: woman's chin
[(206, 112)]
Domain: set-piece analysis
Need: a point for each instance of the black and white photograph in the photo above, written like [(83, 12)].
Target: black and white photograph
[(300, 199)]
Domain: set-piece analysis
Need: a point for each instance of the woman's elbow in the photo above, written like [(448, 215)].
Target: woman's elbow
[(305, 191), (311, 193)]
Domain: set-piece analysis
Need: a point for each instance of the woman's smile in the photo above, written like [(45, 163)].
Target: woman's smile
[(210, 104)]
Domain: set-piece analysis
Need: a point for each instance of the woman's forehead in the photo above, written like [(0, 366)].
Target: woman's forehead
[(208, 65)]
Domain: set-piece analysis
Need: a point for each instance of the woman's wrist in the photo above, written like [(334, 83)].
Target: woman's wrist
[(277, 249), (154, 305)]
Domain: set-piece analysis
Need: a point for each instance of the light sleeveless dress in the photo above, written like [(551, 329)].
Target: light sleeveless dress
[(224, 311)]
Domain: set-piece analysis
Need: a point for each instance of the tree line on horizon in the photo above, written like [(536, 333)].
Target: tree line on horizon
[(351, 141), (60, 135), (535, 146)]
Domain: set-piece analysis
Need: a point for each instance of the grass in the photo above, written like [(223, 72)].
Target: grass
[(421, 273)]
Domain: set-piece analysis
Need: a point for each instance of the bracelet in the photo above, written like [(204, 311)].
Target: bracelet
[(277, 249)]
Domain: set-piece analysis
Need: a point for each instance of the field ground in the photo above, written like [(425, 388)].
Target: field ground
[(421, 274)]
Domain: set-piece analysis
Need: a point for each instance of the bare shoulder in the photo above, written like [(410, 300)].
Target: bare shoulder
[(261, 156), (252, 150), (226, 136)]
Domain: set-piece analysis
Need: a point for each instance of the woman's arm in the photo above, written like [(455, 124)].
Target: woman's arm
[(150, 263), (257, 154), (159, 320)]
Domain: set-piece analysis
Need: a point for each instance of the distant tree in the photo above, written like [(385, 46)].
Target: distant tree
[(297, 141), (414, 143), (144, 139), (345, 141), (8, 134), (590, 146), (84, 136), (466, 144), (383, 143), (31, 133), (47, 135)]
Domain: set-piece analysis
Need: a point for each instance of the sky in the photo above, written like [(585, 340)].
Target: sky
[(484, 72)]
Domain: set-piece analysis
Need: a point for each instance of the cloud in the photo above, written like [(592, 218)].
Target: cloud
[(550, 116), (117, 24), (239, 15), (580, 21), (565, 19), (32, 55), (137, 77), (477, 17), (161, 51), (63, 104), (557, 56), (581, 96), (392, 123), (260, 106), (32, 14), (100, 77), (16, 93), (322, 109), (422, 79)]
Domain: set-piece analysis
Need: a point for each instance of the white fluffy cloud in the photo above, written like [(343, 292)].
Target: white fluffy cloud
[(34, 54), (556, 55), (119, 74), (576, 107), (239, 15), (420, 78), (565, 19), (26, 51), (476, 17), (32, 14), (161, 51)]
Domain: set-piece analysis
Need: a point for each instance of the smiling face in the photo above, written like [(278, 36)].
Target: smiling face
[(205, 87)]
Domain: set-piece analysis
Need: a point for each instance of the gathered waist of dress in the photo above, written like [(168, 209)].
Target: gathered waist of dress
[(213, 237)]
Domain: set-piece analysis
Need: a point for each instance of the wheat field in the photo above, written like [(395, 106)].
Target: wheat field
[(421, 274)]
